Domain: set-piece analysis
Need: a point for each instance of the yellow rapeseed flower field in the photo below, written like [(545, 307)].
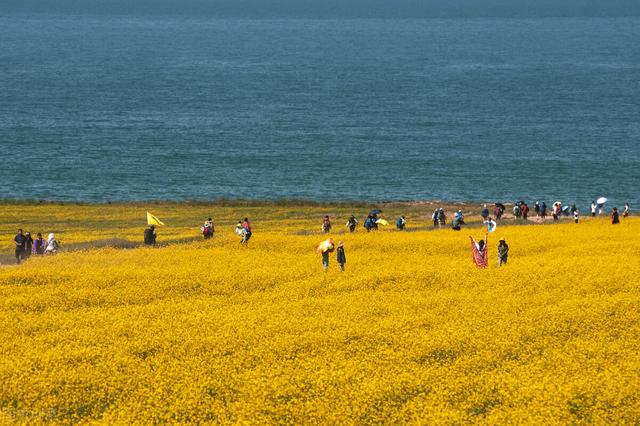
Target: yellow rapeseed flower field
[(411, 332)]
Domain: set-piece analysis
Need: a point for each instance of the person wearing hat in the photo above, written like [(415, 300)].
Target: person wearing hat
[(503, 252), (208, 229), (341, 258)]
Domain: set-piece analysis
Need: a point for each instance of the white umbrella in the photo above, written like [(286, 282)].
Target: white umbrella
[(601, 200)]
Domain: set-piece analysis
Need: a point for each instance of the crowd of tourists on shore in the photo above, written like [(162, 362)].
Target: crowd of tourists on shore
[(26, 246)]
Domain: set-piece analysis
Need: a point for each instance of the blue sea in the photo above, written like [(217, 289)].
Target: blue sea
[(115, 108)]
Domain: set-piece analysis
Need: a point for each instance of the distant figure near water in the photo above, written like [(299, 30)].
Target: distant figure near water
[(615, 216)]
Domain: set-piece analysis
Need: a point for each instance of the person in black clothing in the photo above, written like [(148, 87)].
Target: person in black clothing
[(615, 216), (352, 223), (150, 236), (341, 258), (28, 245), (21, 243)]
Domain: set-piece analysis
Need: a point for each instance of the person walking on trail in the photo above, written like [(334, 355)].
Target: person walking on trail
[(543, 210), (208, 229), (503, 252), (352, 223), (340, 256), (52, 245), (326, 225), (594, 206), (576, 216), (625, 213), (536, 208), (485, 212), (39, 245), (401, 222), (479, 250), (21, 243), (28, 246), (525, 211), (615, 216), (150, 236), (434, 218)]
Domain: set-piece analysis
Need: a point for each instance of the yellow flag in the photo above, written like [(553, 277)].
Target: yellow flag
[(152, 220)]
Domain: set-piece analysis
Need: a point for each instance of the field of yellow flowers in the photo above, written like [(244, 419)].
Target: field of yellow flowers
[(411, 332)]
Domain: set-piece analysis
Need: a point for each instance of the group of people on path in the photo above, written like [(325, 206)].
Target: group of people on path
[(26, 246)]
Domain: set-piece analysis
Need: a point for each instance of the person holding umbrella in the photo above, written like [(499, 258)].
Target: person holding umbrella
[(601, 202)]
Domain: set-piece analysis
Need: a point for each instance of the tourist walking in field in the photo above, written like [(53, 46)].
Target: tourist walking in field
[(370, 223), (324, 249), (434, 218), (39, 245), (326, 225), (52, 245), (28, 246), (503, 252), (208, 229), (240, 231), (401, 222), (352, 223), (593, 208), (536, 208), (625, 213), (525, 211), (246, 225), (149, 236), (615, 216), (340, 256), (21, 243), (479, 250), (576, 216)]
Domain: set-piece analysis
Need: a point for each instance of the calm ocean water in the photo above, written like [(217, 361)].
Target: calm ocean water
[(96, 108)]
